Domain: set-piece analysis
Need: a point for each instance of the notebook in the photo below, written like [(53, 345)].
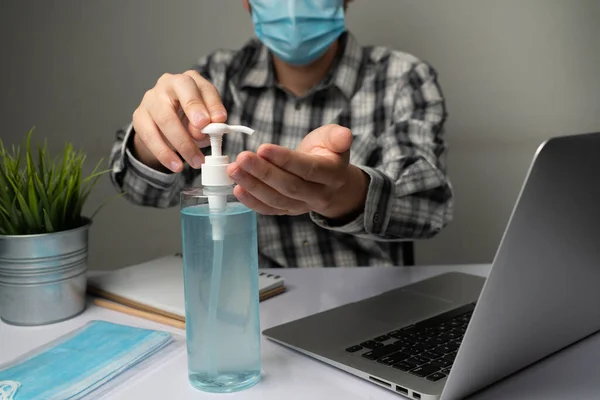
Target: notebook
[(156, 286)]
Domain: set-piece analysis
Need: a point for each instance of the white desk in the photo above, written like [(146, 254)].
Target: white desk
[(571, 374)]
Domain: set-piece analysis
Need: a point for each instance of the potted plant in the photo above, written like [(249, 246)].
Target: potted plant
[(43, 234)]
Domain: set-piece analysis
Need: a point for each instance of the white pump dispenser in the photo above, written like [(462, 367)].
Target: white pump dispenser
[(215, 166), (214, 171)]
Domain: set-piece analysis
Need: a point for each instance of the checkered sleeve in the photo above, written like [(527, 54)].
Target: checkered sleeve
[(409, 195), (141, 184)]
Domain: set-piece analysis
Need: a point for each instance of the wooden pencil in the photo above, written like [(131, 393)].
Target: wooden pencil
[(139, 313), (115, 303)]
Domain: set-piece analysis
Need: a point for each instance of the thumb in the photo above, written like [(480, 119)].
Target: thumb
[(332, 137)]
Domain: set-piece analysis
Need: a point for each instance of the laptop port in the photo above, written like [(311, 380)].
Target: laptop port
[(402, 390), (379, 381), (416, 395)]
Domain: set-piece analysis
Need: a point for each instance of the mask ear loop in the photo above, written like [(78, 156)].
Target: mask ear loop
[(8, 389)]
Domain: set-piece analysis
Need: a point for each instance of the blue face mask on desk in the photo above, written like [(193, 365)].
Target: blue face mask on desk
[(80, 363), (298, 31)]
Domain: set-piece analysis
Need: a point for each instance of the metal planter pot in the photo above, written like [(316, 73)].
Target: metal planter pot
[(43, 277)]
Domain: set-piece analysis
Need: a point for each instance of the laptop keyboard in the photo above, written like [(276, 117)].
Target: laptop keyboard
[(426, 349)]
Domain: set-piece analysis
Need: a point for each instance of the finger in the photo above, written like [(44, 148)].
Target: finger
[(310, 167), (284, 182), (185, 92), (150, 135), (210, 96), (168, 122), (332, 137), (263, 192), (201, 139), (253, 203), (202, 143)]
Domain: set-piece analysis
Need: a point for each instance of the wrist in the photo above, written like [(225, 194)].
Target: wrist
[(350, 199)]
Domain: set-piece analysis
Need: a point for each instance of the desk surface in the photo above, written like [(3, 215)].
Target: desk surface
[(570, 374)]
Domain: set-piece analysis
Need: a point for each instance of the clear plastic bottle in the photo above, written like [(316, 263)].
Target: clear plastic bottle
[(220, 260), (221, 294)]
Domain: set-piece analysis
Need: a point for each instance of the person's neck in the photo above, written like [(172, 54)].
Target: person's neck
[(301, 79)]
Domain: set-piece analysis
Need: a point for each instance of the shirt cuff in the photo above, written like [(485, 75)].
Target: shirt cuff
[(157, 179), (376, 215)]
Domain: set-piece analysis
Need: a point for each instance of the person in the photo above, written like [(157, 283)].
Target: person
[(347, 161)]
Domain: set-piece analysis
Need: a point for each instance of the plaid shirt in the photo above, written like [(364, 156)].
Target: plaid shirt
[(388, 99)]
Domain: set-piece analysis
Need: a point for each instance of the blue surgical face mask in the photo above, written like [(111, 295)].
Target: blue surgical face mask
[(298, 31), (79, 364)]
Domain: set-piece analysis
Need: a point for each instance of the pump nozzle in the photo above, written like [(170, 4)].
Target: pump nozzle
[(219, 128), (214, 171)]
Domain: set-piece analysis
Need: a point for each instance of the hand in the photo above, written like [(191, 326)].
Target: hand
[(170, 119), (316, 177)]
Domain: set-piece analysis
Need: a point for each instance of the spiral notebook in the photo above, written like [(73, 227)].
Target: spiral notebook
[(156, 288)]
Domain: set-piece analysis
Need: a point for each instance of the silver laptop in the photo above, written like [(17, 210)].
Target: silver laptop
[(452, 335)]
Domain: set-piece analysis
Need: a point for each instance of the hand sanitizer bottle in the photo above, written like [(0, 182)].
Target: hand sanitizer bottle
[(220, 259)]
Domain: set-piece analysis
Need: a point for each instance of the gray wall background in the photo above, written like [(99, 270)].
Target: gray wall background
[(514, 72)]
